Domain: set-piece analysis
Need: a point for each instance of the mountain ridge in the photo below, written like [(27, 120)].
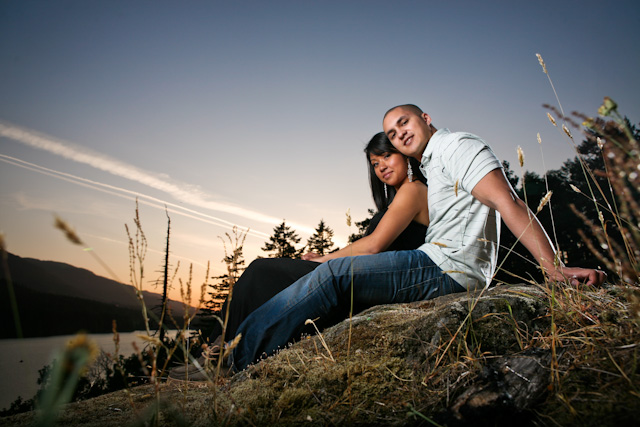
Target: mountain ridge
[(52, 296)]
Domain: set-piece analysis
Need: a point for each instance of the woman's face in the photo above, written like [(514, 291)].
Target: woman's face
[(390, 168)]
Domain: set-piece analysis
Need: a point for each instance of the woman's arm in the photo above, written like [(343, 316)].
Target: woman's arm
[(410, 199)]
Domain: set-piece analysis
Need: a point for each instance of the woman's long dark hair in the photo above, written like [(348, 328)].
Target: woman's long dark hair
[(379, 145)]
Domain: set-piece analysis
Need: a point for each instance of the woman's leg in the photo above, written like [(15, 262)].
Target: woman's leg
[(259, 282)]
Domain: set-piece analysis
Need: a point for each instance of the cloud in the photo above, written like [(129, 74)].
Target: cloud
[(185, 193)]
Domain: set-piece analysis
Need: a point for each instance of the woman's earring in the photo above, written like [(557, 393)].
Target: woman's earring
[(409, 171), (386, 194)]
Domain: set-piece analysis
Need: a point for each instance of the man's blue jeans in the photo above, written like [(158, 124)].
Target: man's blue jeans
[(325, 294)]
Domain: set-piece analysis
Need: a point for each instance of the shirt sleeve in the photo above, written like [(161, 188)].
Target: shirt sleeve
[(469, 160)]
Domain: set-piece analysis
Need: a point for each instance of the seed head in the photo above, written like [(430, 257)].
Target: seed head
[(153, 340), (455, 188), (69, 232), (520, 156), (539, 139), (231, 345), (541, 61), (566, 130), (600, 143), (574, 188), (349, 217), (551, 119), (544, 201)]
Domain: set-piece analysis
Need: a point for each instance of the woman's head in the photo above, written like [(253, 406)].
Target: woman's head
[(387, 166)]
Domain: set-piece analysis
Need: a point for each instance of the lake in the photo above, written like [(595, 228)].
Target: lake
[(20, 360)]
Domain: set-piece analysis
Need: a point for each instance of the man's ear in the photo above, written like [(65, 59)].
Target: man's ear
[(426, 118)]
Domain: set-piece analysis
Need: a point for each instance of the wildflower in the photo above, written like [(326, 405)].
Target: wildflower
[(551, 119), (607, 107), (541, 61), (520, 156), (544, 201)]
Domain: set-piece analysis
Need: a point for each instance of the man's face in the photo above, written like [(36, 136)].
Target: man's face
[(408, 131)]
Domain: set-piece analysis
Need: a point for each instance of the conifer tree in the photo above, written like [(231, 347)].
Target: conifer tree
[(321, 241), (362, 227), (234, 261), (281, 243)]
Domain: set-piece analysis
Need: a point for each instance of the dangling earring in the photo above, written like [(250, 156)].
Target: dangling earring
[(386, 194), (409, 171)]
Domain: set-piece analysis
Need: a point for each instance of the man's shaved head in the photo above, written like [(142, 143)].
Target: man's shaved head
[(410, 107)]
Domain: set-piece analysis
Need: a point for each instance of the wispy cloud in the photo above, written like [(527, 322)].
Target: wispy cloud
[(182, 192)]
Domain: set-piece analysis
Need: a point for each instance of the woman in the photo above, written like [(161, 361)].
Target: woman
[(399, 225), (400, 194)]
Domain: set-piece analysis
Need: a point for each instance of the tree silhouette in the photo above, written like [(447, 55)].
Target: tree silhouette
[(281, 243), (234, 261), (321, 241), (362, 227)]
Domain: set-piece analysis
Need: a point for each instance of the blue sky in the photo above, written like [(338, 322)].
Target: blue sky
[(251, 112)]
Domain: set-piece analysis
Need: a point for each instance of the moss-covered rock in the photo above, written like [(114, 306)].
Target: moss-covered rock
[(511, 354)]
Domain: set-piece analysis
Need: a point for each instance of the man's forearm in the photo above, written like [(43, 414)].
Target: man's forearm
[(526, 227)]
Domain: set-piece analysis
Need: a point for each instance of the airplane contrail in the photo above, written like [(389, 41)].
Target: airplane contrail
[(185, 193), (129, 195)]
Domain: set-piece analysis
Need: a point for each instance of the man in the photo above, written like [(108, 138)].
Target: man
[(451, 162), (467, 195)]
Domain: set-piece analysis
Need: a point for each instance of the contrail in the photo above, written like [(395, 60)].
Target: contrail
[(185, 193), (128, 194)]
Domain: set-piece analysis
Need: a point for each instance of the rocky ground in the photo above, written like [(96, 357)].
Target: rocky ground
[(509, 355)]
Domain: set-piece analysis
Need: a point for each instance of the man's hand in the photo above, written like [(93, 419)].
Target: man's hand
[(577, 275)]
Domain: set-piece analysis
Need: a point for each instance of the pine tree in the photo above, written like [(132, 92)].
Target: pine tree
[(321, 241), (362, 227), (281, 243), (234, 261)]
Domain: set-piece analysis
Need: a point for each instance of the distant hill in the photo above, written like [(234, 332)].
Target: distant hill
[(56, 298)]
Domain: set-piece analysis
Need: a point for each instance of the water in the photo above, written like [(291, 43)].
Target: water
[(20, 360)]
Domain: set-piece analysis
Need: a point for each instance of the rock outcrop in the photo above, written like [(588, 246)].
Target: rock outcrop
[(480, 358)]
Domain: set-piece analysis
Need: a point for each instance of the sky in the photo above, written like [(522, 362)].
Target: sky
[(249, 113)]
